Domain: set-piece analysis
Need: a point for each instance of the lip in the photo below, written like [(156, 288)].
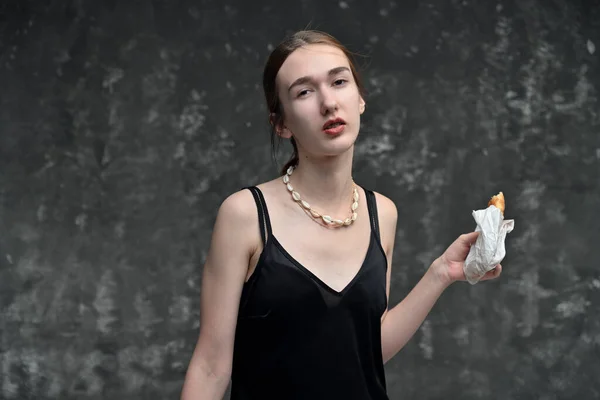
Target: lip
[(335, 131), (333, 121)]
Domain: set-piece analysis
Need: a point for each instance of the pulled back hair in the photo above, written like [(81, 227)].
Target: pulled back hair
[(274, 63)]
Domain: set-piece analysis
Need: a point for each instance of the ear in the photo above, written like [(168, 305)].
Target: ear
[(362, 105), (283, 131), (280, 128)]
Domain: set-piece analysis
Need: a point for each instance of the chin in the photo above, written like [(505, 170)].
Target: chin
[(340, 145)]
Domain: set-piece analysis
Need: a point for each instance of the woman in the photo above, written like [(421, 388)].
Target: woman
[(295, 300)]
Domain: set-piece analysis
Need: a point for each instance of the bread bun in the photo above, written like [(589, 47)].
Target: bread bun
[(498, 202)]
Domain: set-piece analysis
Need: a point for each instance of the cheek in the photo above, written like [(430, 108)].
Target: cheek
[(303, 112), (351, 98)]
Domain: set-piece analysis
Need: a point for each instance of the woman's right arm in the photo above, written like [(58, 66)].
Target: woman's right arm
[(235, 237)]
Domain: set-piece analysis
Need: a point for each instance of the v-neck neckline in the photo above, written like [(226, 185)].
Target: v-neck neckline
[(318, 280)]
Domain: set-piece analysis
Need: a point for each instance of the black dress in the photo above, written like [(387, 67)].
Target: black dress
[(297, 338)]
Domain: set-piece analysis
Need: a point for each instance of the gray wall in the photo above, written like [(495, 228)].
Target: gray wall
[(124, 124)]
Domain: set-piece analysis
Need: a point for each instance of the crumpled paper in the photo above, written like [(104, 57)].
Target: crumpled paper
[(489, 249)]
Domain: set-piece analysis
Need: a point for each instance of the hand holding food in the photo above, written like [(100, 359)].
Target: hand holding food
[(489, 250)]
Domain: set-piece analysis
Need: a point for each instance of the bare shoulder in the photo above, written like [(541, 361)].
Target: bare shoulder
[(386, 207), (388, 218), (241, 205), (238, 207), (237, 221)]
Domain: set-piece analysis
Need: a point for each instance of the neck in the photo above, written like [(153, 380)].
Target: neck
[(326, 183)]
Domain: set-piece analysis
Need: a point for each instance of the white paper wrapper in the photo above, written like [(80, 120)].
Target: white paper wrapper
[(488, 250)]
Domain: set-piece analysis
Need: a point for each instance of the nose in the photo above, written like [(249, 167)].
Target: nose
[(329, 103)]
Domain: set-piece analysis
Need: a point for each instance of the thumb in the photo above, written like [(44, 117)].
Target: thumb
[(469, 239)]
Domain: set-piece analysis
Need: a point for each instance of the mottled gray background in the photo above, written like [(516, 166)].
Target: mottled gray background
[(124, 124)]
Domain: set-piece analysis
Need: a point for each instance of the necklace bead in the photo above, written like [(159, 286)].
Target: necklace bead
[(328, 220)]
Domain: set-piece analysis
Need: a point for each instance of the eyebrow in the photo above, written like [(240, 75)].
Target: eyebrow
[(305, 79)]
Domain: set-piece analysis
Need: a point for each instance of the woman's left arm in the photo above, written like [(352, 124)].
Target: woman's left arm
[(399, 324)]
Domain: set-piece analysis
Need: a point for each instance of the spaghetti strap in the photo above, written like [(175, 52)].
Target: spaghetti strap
[(263, 213), (372, 206)]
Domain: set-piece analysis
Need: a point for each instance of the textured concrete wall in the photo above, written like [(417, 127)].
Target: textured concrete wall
[(124, 124)]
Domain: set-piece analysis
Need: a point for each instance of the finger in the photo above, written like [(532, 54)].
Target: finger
[(469, 238), (493, 274)]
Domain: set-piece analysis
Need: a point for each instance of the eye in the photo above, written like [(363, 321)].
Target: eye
[(302, 93), (339, 82)]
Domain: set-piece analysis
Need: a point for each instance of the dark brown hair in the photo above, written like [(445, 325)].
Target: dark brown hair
[(274, 63)]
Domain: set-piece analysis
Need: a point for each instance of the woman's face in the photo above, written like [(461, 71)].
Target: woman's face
[(316, 86)]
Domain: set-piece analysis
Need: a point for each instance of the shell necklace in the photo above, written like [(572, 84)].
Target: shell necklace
[(336, 223)]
